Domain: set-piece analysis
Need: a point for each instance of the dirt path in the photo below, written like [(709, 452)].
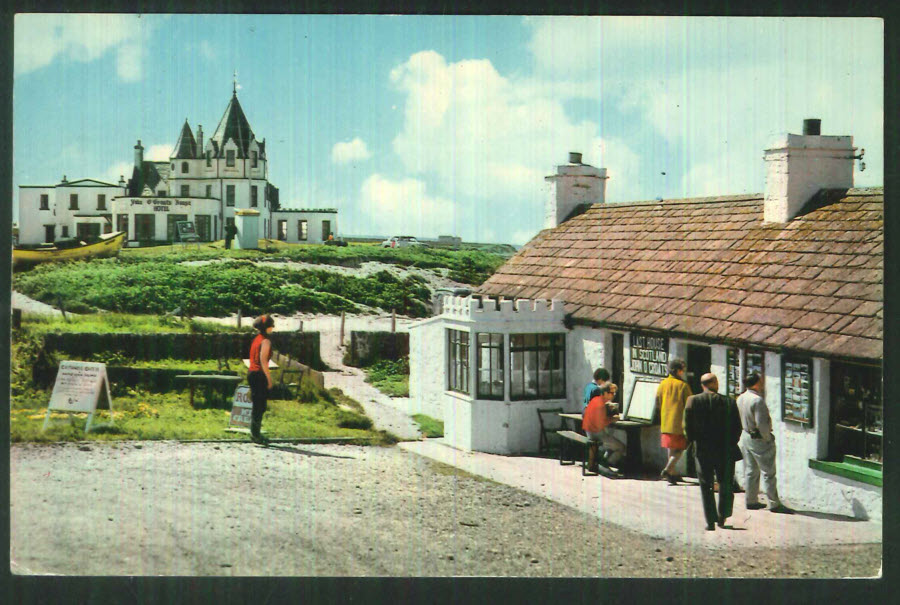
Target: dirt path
[(236, 509)]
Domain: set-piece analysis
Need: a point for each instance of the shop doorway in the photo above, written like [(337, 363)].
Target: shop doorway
[(617, 371), (699, 359)]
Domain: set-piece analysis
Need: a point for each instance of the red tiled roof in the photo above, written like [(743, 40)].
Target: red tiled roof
[(710, 268)]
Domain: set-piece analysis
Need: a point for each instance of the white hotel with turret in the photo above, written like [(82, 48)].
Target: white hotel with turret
[(203, 181)]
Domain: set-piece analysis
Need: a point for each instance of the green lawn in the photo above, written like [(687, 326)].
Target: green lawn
[(389, 377)]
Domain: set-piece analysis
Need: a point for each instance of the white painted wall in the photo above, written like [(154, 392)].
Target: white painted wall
[(314, 225), (31, 218), (586, 350), (427, 368), (573, 184)]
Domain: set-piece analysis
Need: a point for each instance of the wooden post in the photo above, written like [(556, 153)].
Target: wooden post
[(62, 309), (342, 329), (301, 325), (239, 318), (393, 320)]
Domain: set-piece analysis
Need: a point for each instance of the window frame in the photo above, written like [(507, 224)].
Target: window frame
[(209, 191), (185, 191), (282, 222), (44, 201), (208, 158), (230, 195), (303, 230), (254, 159), (557, 345), (73, 201), (65, 231), (854, 371), (230, 158), (184, 168), (101, 201), (493, 344), (254, 196), (458, 361)]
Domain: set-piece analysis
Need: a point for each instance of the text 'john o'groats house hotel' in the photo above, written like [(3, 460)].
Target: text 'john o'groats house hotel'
[(209, 182), (788, 283)]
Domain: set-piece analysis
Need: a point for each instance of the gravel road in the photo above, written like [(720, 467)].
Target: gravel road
[(237, 509)]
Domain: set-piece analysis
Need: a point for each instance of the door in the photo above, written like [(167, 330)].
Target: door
[(617, 370), (326, 230), (49, 233), (699, 359)]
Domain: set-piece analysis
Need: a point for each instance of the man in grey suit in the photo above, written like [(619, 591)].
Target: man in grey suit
[(712, 422)]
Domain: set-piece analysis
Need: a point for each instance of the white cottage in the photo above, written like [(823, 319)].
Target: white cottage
[(788, 283)]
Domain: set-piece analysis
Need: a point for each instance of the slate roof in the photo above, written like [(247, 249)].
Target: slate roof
[(233, 125), (709, 268), (186, 146), (149, 176)]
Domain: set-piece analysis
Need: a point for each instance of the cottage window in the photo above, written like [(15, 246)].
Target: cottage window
[(45, 201), (101, 201), (73, 201), (302, 230), (184, 167), (253, 195), (537, 366), (229, 158), (458, 366), (857, 412), (490, 366), (229, 195)]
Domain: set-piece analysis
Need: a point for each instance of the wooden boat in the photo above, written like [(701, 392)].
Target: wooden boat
[(107, 245)]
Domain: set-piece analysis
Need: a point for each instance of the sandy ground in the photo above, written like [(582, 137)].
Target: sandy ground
[(237, 509)]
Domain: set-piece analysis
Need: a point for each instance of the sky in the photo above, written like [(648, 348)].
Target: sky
[(446, 125)]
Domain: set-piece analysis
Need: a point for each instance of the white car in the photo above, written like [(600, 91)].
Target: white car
[(401, 241)]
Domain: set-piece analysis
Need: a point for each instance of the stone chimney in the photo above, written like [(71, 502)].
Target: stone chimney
[(65, 180), (199, 141), (138, 155), (799, 165), (572, 185), (122, 180)]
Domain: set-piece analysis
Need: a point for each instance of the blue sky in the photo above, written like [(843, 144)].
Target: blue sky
[(433, 125)]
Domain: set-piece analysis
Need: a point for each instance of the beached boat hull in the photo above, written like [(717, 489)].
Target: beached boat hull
[(109, 245)]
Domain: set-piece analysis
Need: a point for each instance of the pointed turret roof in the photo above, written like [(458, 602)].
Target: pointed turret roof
[(186, 147), (233, 125)]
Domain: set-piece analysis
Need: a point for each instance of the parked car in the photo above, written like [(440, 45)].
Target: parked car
[(401, 241)]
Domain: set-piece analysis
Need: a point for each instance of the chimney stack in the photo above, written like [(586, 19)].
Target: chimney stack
[(138, 155), (572, 185), (798, 166), (64, 179), (199, 140)]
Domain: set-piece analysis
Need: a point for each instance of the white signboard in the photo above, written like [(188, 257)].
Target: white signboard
[(80, 387), (241, 408), (642, 402)]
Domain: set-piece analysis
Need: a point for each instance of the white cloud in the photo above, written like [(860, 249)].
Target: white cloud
[(351, 151), (206, 50), (41, 39), (120, 169), (404, 207), (158, 153), (521, 237)]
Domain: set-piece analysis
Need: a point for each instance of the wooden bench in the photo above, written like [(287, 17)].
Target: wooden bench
[(222, 384), (571, 438)]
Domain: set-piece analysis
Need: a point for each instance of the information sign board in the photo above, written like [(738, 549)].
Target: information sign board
[(642, 401), (80, 386), (649, 354), (241, 408), (186, 231)]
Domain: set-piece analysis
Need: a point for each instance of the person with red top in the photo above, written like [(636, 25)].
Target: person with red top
[(597, 417), (259, 377)]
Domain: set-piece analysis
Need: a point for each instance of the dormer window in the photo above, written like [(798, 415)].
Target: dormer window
[(208, 158), (229, 158), (184, 167), (254, 158)]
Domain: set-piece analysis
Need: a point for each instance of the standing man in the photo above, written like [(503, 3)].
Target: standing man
[(671, 395), (598, 416), (758, 446), (713, 423), (230, 232), (590, 389)]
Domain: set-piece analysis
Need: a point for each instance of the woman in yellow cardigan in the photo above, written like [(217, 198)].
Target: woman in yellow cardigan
[(671, 395)]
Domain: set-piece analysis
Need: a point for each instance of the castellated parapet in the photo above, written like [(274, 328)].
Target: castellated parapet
[(468, 308)]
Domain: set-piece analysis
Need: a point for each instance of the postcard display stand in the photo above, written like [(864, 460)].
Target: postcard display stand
[(241, 410), (80, 387)]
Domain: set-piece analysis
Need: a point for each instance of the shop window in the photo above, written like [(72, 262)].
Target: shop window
[(101, 201), (490, 366), (857, 412), (537, 366), (229, 158), (229, 195), (458, 361), (253, 195), (73, 201), (45, 201), (282, 230), (302, 230), (185, 191)]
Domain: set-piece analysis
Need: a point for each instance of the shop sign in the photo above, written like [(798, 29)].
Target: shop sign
[(649, 354), (797, 390)]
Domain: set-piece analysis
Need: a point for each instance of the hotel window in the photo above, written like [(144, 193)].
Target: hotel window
[(208, 158), (201, 223), (302, 230), (490, 366), (184, 167), (73, 201), (101, 201), (45, 201), (253, 195), (185, 191), (537, 366), (122, 222), (229, 195), (458, 367), (229, 158), (144, 227), (254, 158), (161, 193), (857, 412), (209, 191)]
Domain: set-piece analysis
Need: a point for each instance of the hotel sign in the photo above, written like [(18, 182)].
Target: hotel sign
[(649, 354), (160, 204)]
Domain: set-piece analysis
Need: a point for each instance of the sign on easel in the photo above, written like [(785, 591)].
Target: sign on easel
[(80, 386), (241, 408)]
